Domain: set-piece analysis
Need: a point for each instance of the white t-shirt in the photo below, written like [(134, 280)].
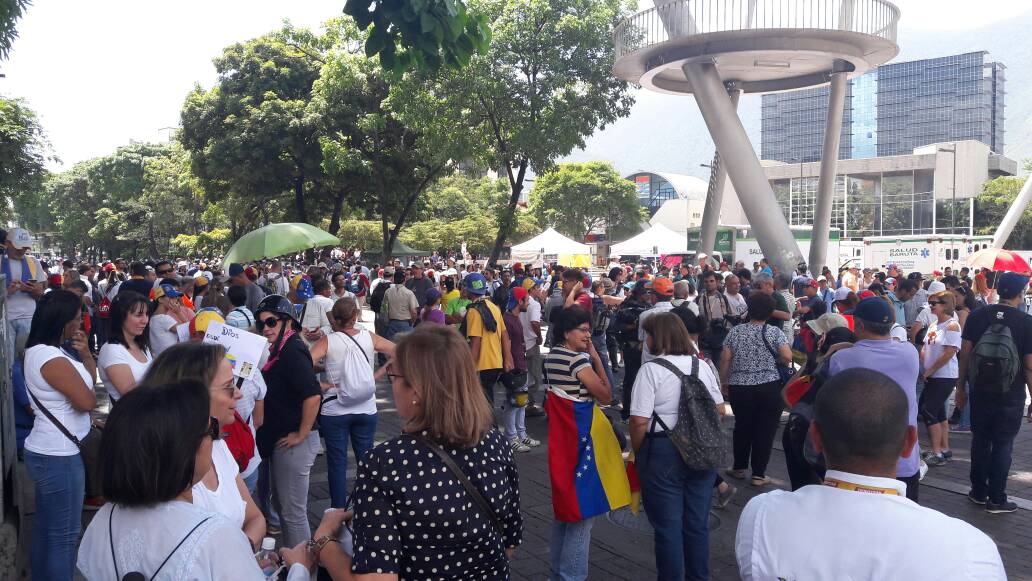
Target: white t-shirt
[(939, 337), (737, 303), (316, 313), (226, 499), (805, 535), (162, 333), (335, 344), (45, 437), (116, 354), (657, 389), (217, 550), (531, 315), (21, 305)]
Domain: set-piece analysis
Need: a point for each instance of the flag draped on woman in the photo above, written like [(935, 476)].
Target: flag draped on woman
[(585, 463)]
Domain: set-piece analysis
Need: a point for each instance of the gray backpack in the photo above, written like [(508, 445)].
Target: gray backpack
[(697, 434)]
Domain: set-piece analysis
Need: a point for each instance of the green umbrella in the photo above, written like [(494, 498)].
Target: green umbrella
[(276, 240)]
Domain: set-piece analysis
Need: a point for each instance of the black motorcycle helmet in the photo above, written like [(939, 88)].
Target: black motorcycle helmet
[(278, 305)]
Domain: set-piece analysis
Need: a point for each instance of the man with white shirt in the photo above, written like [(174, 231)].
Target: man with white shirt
[(859, 525), (662, 292), (531, 322)]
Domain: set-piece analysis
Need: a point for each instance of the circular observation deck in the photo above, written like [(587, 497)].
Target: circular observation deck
[(761, 45)]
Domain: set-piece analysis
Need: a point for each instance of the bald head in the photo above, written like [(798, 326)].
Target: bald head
[(861, 420)]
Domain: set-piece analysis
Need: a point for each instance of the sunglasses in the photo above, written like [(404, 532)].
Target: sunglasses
[(269, 322), (214, 429), (936, 302)]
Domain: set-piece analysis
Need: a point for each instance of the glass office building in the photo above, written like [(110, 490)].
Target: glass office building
[(892, 110)]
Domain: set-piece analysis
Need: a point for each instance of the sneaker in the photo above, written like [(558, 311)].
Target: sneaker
[(960, 429), (723, 498), (94, 503), (518, 446), (974, 499), (616, 406), (927, 454), (760, 480), (534, 411), (948, 455), (936, 460), (531, 442), (733, 473), (1005, 506)]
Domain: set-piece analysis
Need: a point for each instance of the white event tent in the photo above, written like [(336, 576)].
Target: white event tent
[(657, 240), (551, 245)]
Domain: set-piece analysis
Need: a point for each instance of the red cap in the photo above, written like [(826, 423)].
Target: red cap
[(866, 294), (519, 293), (814, 283)]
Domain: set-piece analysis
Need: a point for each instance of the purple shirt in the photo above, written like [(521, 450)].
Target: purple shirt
[(514, 327), (435, 316), (897, 360)]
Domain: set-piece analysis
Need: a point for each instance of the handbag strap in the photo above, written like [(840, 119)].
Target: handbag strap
[(355, 341), (766, 343), (111, 541), (475, 494), (53, 420)]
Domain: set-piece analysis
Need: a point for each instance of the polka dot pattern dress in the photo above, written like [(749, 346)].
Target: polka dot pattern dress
[(414, 519)]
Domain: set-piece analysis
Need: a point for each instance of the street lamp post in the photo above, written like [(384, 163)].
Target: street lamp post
[(953, 203)]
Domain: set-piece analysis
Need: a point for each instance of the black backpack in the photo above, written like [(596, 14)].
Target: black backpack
[(699, 440), (625, 321), (995, 361)]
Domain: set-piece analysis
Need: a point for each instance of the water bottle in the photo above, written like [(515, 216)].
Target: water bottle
[(268, 560)]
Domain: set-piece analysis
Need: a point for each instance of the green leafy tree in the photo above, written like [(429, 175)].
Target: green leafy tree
[(991, 206), (24, 151), (10, 12), (420, 34), (578, 198), (544, 85)]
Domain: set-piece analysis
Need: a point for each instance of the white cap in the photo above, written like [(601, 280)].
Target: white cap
[(936, 286), (268, 544), (822, 278), (842, 293), (19, 238)]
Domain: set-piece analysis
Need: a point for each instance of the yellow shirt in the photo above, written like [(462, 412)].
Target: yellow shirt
[(490, 343), (448, 297)]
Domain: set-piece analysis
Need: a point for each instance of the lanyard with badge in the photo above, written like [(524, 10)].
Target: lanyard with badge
[(859, 487)]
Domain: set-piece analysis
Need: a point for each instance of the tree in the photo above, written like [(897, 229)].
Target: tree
[(23, 151), (991, 206), (577, 198), (253, 134), (544, 85), (420, 34), (10, 12)]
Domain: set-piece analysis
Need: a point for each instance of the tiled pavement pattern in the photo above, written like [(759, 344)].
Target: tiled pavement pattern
[(619, 552)]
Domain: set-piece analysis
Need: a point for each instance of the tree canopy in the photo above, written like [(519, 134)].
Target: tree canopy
[(991, 206), (578, 198), (24, 152), (10, 12)]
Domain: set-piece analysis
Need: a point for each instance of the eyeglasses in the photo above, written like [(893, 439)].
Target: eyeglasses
[(214, 429), (391, 376), (270, 322), (936, 302), (583, 329)]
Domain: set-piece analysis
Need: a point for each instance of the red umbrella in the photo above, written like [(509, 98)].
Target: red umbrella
[(999, 259)]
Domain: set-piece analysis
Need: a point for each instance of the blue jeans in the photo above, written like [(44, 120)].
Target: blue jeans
[(251, 482), (16, 328), (396, 326), (60, 486), (599, 341), (360, 429), (570, 544), (677, 502)]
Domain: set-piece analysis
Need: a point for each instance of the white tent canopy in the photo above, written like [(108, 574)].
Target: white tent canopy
[(549, 243), (656, 240)]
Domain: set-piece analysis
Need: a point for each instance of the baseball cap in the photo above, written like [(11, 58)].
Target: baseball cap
[(236, 269), (251, 272), (874, 310), (1011, 284), (531, 282), (842, 293), (936, 286), (663, 286), (201, 280), (516, 295), (165, 290), (813, 283), (822, 278), (199, 324), (890, 280), (476, 283), (827, 322), (19, 238), (866, 294)]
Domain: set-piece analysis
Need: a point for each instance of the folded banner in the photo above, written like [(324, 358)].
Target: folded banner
[(584, 460)]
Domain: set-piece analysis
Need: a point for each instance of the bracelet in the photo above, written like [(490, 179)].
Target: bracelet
[(316, 545)]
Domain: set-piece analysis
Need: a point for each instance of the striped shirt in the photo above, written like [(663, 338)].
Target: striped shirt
[(561, 367)]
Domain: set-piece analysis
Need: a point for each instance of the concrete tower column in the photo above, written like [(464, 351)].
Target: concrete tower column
[(715, 192), (829, 165), (743, 167)]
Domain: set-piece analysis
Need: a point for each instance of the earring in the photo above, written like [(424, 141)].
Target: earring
[(415, 402)]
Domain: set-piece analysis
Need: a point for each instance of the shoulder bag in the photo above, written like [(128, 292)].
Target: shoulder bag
[(89, 448), (475, 494), (785, 372)]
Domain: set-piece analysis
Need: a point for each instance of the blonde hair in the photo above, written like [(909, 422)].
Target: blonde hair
[(949, 299), (454, 408)]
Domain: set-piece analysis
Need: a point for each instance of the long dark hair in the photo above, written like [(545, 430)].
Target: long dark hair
[(126, 303), (55, 310)]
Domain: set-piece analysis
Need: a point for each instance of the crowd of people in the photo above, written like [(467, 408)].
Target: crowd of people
[(194, 466)]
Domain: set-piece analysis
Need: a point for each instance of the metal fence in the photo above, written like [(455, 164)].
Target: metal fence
[(676, 19)]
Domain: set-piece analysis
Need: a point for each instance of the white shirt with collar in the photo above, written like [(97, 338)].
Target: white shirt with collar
[(822, 532), (659, 307)]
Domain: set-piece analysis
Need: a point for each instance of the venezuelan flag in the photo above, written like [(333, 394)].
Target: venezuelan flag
[(584, 460)]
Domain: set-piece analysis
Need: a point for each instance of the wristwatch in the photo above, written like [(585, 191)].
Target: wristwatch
[(316, 545)]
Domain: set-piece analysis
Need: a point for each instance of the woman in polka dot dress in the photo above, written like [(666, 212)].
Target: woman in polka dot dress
[(413, 519)]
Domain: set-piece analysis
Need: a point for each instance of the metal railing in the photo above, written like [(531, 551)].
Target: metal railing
[(677, 19)]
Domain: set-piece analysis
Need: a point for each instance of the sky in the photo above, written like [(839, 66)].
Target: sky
[(103, 72)]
